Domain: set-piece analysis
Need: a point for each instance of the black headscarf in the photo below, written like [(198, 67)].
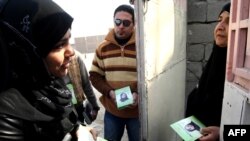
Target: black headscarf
[(43, 22), (226, 7), (31, 29), (205, 101)]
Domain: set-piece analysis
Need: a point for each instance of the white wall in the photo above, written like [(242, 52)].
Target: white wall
[(236, 106), (162, 43)]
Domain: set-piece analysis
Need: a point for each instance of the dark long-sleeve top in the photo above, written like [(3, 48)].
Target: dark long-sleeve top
[(22, 119), (205, 101)]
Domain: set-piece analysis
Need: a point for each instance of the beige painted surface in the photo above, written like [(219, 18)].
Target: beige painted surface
[(162, 54), (236, 106)]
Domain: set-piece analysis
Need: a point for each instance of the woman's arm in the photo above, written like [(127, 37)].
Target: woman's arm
[(10, 128)]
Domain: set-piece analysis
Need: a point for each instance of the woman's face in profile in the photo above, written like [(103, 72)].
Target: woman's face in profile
[(221, 29), (58, 60)]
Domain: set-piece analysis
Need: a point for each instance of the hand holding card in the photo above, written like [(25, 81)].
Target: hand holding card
[(124, 97), (189, 128)]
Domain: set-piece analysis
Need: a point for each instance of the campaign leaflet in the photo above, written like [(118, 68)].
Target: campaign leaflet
[(188, 128)]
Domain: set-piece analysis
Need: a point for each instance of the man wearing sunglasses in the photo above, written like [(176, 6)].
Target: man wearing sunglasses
[(114, 67)]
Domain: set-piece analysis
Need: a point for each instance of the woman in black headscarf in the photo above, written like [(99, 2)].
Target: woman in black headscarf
[(35, 104), (205, 101)]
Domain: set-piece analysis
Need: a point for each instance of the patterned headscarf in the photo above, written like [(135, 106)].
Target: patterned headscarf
[(31, 29), (42, 22)]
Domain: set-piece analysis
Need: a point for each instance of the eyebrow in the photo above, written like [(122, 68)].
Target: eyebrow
[(65, 38), (61, 41), (223, 17)]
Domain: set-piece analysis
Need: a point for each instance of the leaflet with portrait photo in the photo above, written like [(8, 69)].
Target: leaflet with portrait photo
[(188, 128), (124, 97)]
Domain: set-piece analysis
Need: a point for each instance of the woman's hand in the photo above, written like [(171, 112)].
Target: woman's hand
[(94, 114), (210, 133), (85, 133)]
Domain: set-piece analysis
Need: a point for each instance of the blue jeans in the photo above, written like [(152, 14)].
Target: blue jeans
[(114, 127)]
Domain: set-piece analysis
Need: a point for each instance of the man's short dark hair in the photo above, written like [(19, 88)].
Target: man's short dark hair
[(126, 8)]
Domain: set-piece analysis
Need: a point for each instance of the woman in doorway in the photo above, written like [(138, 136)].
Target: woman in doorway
[(205, 101)]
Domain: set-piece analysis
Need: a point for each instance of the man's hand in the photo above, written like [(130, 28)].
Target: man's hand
[(112, 95), (210, 133), (135, 100)]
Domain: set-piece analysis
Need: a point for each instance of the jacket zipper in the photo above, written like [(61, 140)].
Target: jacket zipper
[(122, 51)]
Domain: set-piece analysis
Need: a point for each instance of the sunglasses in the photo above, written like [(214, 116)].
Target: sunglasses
[(126, 23)]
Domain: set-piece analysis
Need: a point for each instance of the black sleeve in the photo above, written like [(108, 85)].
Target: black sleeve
[(10, 129), (86, 84)]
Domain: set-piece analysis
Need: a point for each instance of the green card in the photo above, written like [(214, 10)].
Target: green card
[(101, 139), (71, 88), (124, 97), (188, 129)]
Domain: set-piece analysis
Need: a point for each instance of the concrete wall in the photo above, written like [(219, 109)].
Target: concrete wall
[(162, 64), (202, 16), (88, 44)]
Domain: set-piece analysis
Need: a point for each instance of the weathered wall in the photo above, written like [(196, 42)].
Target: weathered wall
[(88, 44), (162, 66)]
